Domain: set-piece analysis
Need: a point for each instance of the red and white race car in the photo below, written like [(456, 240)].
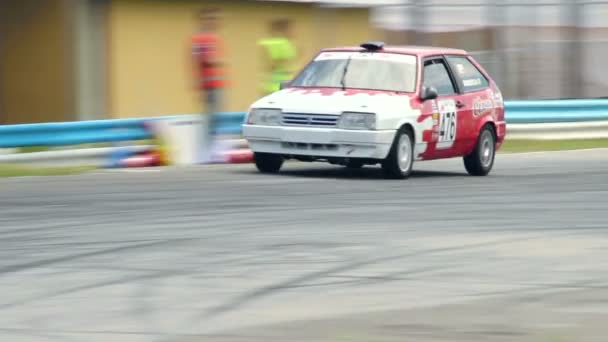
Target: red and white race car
[(376, 104)]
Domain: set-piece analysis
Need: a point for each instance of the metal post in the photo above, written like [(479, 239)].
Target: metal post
[(89, 38), (505, 66), (2, 33), (572, 83), (495, 22), (533, 64)]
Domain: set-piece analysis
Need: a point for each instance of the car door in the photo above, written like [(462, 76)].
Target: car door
[(443, 140), (476, 96)]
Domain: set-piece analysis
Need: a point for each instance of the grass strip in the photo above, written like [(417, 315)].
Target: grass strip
[(513, 146), (16, 170)]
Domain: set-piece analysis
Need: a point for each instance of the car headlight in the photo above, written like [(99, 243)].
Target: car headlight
[(267, 117), (358, 121)]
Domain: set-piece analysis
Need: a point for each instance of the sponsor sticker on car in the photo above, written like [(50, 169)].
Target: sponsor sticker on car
[(482, 107)]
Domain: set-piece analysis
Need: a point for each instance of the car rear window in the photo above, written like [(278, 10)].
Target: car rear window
[(376, 71), (470, 78)]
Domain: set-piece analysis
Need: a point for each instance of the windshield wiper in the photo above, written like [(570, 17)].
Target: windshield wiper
[(343, 79)]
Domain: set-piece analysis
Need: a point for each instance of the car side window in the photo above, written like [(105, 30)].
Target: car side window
[(436, 75), (470, 78)]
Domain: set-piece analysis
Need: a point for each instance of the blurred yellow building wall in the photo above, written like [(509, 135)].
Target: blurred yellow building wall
[(36, 73), (150, 71)]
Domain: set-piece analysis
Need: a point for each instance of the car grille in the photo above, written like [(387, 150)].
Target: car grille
[(319, 120), (305, 146)]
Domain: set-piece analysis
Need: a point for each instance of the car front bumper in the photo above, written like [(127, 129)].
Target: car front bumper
[(319, 142)]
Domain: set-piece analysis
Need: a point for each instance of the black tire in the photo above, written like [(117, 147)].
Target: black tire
[(393, 165), (268, 162), (481, 160), (354, 164)]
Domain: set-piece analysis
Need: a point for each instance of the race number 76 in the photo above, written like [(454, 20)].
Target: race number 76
[(447, 126)]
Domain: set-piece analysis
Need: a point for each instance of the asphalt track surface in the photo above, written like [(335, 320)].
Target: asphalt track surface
[(317, 253)]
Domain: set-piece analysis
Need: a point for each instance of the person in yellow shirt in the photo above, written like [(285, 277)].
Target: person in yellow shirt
[(279, 55)]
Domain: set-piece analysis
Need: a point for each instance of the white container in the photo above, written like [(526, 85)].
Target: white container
[(185, 138)]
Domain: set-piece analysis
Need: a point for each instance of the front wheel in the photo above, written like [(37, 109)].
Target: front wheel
[(400, 160), (268, 162), (481, 160)]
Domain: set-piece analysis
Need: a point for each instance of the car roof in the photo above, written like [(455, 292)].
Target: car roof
[(406, 49)]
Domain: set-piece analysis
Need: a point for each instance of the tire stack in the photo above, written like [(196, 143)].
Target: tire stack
[(233, 151)]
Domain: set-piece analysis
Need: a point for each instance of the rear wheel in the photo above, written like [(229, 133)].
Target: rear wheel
[(400, 160), (268, 162), (481, 160)]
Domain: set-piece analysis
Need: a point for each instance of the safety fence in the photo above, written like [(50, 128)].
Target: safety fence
[(552, 111), (101, 131), (123, 142), (557, 119), (173, 139)]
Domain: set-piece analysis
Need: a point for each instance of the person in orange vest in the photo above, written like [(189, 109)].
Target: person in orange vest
[(209, 60)]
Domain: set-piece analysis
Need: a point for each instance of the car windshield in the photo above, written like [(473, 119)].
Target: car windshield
[(376, 71)]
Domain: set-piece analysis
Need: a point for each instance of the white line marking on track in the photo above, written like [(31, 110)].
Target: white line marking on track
[(274, 180), (130, 170), (557, 151)]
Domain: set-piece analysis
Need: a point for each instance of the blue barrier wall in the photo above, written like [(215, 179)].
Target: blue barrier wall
[(228, 123), (72, 133), (546, 111)]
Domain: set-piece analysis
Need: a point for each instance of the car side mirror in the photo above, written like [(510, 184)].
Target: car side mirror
[(284, 84), (428, 93)]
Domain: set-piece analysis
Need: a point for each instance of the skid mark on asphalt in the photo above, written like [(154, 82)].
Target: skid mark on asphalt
[(47, 262), (148, 275), (63, 333), (246, 298), (264, 232)]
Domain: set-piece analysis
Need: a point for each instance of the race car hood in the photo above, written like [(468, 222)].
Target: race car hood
[(333, 101)]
